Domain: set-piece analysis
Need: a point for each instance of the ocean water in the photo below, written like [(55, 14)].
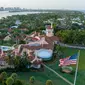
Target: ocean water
[(6, 13)]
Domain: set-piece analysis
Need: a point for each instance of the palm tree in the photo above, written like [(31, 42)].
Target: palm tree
[(4, 75), (18, 82), (9, 81), (32, 79), (14, 76)]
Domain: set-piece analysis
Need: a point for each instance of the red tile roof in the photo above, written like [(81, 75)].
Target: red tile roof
[(50, 44)]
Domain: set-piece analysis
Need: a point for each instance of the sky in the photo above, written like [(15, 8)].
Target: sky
[(45, 4)]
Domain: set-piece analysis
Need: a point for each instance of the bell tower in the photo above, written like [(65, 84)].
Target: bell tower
[(49, 30)]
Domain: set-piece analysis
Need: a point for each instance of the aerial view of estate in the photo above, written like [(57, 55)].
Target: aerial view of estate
[(42, 42)]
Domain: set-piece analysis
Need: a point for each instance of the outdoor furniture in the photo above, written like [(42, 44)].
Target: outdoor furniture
[(67, 69)]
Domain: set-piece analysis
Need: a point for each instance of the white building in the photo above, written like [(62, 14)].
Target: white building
[(49, 30)]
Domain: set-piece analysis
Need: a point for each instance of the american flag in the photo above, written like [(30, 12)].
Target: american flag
[(68, 60)]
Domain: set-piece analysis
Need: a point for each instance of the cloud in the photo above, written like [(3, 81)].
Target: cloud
[(55, 4)]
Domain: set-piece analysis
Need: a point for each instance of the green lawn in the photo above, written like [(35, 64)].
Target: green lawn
[(41, 77), (81, 71)]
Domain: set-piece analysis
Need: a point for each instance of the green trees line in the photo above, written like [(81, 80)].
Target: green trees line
[(14, 79), (36, 21), (72, 36)]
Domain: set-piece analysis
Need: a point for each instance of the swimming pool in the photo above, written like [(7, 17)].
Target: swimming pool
[(44, 54), (6, 48)]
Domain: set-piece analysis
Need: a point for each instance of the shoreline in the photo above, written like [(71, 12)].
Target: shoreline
[(7, 13)]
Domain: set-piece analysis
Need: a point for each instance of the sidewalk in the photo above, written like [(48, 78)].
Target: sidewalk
[(69, 46)]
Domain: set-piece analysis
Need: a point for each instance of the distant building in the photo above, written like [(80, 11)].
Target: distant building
[(79, 23), (1, 8), (76, 19), (17, 22), (62, 21), (7, 38), (14, 27)]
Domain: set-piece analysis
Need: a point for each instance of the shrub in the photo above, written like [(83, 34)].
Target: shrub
[(9, 81), (49, 82), (3, 76), (32, 79), (14, 76), (18, 82)]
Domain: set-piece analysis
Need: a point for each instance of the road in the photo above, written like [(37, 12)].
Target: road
[(58, 74), (69, 46)]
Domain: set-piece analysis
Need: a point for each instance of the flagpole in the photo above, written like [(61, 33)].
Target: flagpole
[(76, 68)]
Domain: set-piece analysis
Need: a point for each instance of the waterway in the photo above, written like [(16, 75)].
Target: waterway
[(6, 13)]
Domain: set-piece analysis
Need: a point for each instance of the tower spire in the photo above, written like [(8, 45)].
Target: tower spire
[(51, 24)]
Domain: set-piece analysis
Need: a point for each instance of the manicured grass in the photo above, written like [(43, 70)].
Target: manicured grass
[(41, 77), (81, 70)]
